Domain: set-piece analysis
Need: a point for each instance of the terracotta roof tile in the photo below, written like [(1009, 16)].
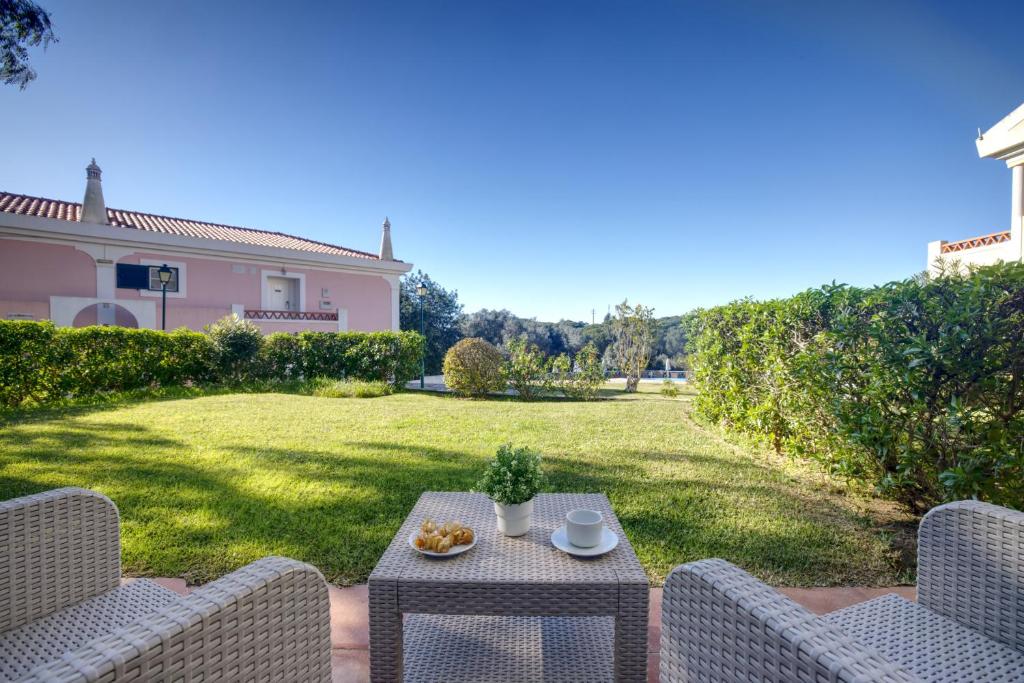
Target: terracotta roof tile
[(26, 205)]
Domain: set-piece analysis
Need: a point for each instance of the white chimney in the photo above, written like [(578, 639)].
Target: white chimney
[(93, 208), (385, 241)]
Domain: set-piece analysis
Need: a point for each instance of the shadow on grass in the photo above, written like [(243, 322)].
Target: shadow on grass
[(338, 507)]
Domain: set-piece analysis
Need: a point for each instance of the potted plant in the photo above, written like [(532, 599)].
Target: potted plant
[(511, 480)]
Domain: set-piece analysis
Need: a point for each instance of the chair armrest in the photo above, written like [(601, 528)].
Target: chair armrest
[(57, 548), (268, 621), (719, 623), (970, 563)]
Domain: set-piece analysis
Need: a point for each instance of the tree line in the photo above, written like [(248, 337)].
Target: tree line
[(445, 323)]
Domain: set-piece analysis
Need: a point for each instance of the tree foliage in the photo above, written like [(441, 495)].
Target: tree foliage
[(441, 315), (632, 338), (915, 387), (23, 24)]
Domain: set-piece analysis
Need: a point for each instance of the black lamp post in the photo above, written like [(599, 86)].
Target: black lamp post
[(421, 291), (165, 274)]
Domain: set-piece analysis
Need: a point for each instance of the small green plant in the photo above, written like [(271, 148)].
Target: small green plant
[(326, 387), (582, 377), (513, 477), (526, 369), (669, 389), (236, 343), (473, 368)]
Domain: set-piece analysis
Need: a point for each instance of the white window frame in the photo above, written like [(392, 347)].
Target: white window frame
[(182, 279), (265, 288)]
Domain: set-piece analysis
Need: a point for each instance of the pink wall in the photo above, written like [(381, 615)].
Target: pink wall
[(212, 286), (31, 272), (35, 271)]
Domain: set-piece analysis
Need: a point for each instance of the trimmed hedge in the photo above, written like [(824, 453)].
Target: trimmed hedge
[(915, 387), (41, 363)]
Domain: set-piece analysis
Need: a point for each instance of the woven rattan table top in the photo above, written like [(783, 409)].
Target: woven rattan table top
[(497, 559)]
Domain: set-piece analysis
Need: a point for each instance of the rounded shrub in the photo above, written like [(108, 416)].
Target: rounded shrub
[(473, 367)]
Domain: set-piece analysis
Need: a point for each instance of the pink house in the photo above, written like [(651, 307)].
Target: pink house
[(85, 264)]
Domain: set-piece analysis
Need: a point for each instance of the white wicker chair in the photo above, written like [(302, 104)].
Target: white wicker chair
[(721, 624), (65, 617)]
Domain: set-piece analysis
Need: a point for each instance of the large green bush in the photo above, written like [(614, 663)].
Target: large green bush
[(582, 377), (473, 367), (41, 363), (527, 369), (915, 387), (236, 342)]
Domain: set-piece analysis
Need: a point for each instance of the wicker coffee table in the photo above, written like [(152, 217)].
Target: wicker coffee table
[(526, 611)]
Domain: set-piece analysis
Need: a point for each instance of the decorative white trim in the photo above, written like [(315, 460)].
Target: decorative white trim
[(342, 320), (265, 289), (63, 309), (396, 289), (182, 278)]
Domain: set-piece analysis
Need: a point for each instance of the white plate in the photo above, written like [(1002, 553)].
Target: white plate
[(608, 542), (456, 549)]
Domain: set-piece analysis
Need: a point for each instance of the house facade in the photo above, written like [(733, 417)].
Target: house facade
[(85, 264), (1004, 141)]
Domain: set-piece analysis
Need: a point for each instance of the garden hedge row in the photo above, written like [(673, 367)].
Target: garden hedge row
[(915, 387), (40, 362)]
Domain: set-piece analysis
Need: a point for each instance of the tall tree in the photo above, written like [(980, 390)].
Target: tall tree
[(486, 324), (632, 337), (23, 24), (441, 314)]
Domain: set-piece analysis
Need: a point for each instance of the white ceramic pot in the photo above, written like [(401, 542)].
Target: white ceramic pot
[(514, 520)]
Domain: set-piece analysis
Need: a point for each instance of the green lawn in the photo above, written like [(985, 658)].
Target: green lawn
[(208, 484)]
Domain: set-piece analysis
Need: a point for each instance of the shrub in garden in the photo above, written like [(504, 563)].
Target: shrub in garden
[(580, 378), (526, 369), (669, 389), (236, 343), (473, 367), (915, 387)]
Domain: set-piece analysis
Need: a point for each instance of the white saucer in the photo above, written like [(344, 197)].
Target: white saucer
[(456, 549), (608, 542)]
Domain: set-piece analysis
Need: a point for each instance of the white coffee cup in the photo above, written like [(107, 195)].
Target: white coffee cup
[(583, 527)]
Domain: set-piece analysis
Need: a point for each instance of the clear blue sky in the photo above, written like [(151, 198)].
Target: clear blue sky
[(544, 157)]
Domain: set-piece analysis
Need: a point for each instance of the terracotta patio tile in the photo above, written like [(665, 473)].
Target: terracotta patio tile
[(350, 666), (654, 621), (350, 617)]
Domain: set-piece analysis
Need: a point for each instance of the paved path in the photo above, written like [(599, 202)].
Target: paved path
[(350, 661)]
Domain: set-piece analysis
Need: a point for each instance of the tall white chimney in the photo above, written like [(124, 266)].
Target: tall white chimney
[(94, 210), (385, 241)]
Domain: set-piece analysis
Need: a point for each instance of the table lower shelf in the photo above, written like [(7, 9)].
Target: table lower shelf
[(485, 649)]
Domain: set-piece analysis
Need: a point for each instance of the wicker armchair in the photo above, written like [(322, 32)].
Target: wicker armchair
[(721, 624), (64, 615)]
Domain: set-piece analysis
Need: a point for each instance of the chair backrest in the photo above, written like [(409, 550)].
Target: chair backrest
[(57, 548), (970, 568)]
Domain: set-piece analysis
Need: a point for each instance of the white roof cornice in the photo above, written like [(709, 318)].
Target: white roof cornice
[(1005, 140)]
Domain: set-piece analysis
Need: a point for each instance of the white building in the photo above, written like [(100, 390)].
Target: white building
[(1005, 141)]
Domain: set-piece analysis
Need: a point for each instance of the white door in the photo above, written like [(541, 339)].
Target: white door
[(283, 294)]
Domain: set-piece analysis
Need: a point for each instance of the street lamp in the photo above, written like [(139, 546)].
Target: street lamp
[(421, 291), (164, 274)]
